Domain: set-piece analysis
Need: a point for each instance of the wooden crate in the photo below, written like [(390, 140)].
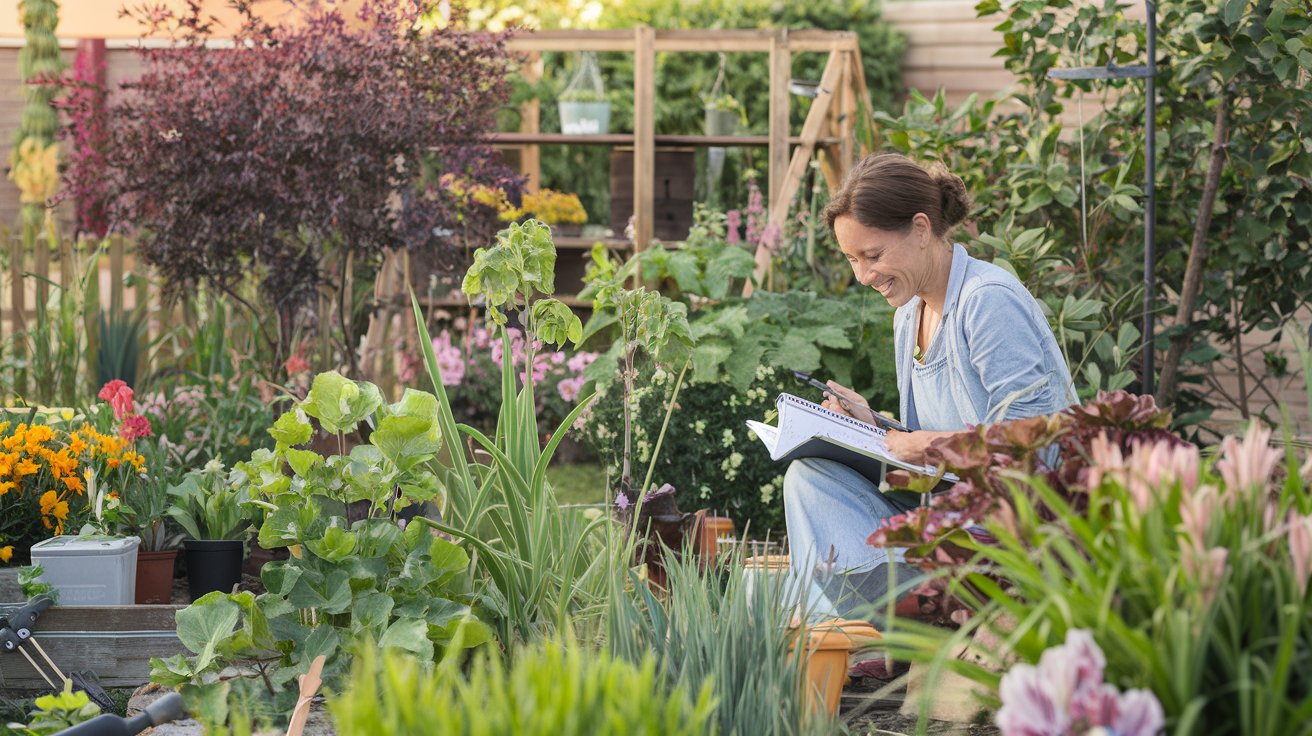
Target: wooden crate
[(113, 643)]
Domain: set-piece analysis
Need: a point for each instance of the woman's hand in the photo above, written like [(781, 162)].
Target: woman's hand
[(910, 446), (844, 400)]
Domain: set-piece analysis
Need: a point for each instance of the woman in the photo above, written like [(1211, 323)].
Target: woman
[(971, 346)]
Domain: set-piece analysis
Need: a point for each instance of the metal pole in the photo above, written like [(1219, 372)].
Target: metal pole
[(1150, 201)]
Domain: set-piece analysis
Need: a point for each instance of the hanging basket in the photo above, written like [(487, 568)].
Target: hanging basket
[(584, 109)]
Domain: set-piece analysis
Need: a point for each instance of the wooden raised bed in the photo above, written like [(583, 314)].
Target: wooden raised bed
[(113, 643)]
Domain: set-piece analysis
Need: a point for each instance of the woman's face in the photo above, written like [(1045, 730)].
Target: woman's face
[(892, 263)]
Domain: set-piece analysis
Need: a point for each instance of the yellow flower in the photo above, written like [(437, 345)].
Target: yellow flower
[(72, 483), (7, 486), (52, 506), (25, 467), (77, 445), (6, 553)]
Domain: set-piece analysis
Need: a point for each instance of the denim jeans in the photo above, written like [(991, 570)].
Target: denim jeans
[(831, 510)]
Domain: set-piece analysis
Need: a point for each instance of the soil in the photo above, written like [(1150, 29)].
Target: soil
[(872, 707), (181, 596)]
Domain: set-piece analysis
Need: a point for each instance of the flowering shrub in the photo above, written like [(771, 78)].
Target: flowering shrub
[(708, 453), (471, 371), (53, 479), (1188, 571), (555, 208), (216, 419), (1065, 694)]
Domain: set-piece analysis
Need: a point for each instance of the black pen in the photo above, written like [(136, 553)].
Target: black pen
[(879, 419)]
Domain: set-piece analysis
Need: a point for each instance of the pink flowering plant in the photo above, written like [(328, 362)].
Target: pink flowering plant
[(471, 363), (1190, 567)]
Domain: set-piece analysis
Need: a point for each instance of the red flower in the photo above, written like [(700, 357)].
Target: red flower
[(134, 427), (119, 396)]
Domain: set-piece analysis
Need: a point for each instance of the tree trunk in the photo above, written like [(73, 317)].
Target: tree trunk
[(1193, 275)]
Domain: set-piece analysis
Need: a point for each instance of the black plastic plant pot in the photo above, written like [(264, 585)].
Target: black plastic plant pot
[(213, 565)]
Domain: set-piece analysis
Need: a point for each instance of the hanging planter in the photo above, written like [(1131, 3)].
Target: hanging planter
[(584, 109)]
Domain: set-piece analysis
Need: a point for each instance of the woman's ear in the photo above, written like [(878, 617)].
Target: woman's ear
[(924, 228)]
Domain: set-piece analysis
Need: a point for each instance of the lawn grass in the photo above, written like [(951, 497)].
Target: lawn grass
[(577, 483)]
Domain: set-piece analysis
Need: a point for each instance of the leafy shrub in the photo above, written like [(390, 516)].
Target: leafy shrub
[(745, 352), (403, 588), (276, 157), (553, 687)]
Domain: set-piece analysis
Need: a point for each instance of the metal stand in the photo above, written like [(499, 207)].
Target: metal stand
[(1147, 72)]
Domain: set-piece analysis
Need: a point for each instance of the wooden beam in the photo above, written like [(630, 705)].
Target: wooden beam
[(780, 75), (865, 108), (644, 131), (728, 40), (530, 121), (782, 197), (624, 139)]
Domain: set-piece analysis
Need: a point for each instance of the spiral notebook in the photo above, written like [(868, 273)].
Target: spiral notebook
[(807, 429)]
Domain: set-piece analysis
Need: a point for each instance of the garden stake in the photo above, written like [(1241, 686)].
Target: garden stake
[(310, 683), (11, 643)]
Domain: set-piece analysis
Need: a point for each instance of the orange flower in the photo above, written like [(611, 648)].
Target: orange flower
[(25, 467), (6, 553), (113, 462), (7, 486), (73, 483), (76, 445), (52, 506)]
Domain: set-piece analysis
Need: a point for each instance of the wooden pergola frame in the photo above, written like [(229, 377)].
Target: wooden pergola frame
[(829, 127)]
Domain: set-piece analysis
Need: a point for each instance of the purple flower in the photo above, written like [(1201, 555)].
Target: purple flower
[(1140, 714), (622, 501), (1028, 705)]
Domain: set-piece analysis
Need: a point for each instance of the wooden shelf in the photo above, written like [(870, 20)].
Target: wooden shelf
[(626, 139), (569, 300), (571, 242)]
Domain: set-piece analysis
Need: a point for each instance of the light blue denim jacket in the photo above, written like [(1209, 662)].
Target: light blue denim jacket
[(1002, 359)]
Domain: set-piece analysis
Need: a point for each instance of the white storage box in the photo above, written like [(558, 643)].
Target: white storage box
[(90, 572)]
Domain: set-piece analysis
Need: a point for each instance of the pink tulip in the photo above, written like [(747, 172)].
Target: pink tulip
[(1140, 714), (1247, 465), (1300, 548), (1028, 706), (1196, 513)]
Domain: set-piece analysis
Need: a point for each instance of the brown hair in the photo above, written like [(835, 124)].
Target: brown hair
[(885, 190)]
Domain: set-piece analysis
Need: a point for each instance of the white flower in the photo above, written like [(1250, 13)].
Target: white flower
[(699, 426)]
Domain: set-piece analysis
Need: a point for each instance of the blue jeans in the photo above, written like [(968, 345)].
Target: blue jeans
[(831, 510)]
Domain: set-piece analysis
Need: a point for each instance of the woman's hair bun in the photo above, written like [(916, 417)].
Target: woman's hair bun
[(953, 199)]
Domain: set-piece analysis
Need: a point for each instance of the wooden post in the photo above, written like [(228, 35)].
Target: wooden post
[(116, 275), (860, 90), (781, 72), (644, 131), (792, 179), (17, 286), (530, 121)]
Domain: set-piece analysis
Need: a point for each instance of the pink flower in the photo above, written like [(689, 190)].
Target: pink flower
[(1300, 548), (450, 361), (1065, 694), (1196, 513), (1247, 465), (296, 364), (1028, 705), (407, 366), (733, 221), (119, 396), (134, 427), (1140, 714), (569, 388)]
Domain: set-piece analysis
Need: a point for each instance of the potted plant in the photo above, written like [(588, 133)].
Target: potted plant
[(147, 509), (584, 108), (215, 515), (724, 113), (562, 211)]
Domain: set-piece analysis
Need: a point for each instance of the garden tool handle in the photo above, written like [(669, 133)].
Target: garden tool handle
[(22, 620), (167, 708)]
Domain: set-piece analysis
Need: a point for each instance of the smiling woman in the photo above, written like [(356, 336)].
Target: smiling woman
[(971, 346)]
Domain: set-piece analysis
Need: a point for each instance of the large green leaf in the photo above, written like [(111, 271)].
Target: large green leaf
[(206, 623), (410, 634), (408, 432), (336, 544), (340, 403), (291, 429)]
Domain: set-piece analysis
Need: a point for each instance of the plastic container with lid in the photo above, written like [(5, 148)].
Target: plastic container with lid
[(90, 571), (828, 646)]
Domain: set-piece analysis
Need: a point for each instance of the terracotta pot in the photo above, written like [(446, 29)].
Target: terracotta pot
[(710, 530), (155, 576), (828, 645)]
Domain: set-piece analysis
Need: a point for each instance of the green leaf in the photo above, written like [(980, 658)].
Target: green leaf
[(340, 403), (302, 460), (410, 634), (206, 623), (555, 323), (291, 429), (372, 610), (337, 544), (446, 556), (1234, 10)]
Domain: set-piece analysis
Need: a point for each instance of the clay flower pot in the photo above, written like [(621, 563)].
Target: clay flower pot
[(155, 576)]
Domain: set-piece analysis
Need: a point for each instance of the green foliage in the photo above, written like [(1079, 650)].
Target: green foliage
[(120, 343), (404, 588), (1244, 58), (705, 265), (554, 687), (540, 566), (56, 712), (726, 631), (31, 584), (683, 79), (1191, 574), (207, 504)]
